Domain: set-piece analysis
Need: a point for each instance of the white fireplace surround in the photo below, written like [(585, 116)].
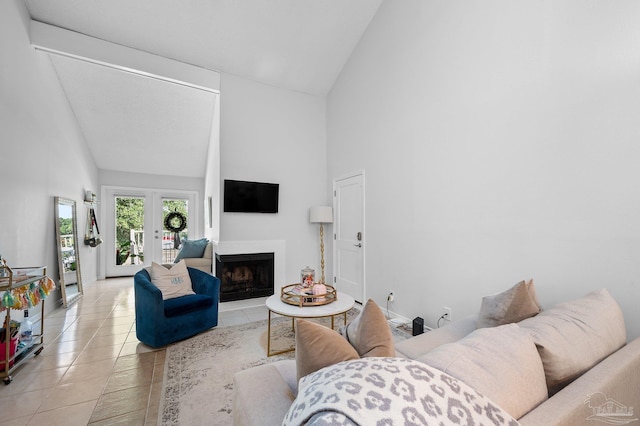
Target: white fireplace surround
[(277, 247)]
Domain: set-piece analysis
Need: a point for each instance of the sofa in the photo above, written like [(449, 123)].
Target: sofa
[(567, 365), (204, 263)]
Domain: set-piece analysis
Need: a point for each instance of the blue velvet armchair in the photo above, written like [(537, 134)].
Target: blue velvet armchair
[(160, 322)]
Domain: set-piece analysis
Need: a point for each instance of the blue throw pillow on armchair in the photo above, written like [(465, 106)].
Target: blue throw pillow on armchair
[(192, 248)]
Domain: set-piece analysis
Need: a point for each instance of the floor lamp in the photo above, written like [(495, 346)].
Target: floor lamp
[(321, 215)]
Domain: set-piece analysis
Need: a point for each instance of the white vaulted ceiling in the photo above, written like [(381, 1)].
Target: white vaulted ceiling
[(299, 45), (135, 123)]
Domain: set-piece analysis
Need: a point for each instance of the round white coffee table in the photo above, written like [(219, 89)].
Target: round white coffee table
[(274, 304)]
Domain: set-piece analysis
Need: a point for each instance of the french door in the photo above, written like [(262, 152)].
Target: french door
[(137, 232)]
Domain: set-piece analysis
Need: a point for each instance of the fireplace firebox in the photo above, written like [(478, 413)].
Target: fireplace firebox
[(245, 276)]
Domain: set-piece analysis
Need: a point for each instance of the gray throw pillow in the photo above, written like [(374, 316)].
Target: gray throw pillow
[(514, 305)]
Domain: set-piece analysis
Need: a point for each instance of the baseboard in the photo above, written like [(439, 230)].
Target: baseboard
[(396, 320)]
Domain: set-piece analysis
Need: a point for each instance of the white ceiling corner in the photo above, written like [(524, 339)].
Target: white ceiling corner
[(300, 45)]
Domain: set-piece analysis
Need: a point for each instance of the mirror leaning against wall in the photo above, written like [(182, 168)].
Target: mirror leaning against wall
[(67, 245)]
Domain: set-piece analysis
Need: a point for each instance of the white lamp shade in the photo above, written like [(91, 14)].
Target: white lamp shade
[(321, 214)]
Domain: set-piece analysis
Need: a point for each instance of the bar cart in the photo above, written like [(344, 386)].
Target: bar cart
[(30, 285)]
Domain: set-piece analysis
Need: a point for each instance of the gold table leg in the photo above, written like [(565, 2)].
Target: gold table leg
[(269, 353), (293, 328), (269, 334)]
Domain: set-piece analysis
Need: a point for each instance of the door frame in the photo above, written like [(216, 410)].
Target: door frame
[(154, 196), (356, 173)]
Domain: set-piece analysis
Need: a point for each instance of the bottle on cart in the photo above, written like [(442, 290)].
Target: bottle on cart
[(26, 330)]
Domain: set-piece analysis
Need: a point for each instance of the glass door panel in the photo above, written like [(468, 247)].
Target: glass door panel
[(129, 235), (175, 220)]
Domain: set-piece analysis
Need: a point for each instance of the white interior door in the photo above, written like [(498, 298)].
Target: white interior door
[(349, 236)]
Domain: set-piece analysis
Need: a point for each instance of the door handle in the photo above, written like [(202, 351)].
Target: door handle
[(358, 245)]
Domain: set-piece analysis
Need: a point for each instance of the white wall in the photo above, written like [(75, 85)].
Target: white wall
[(500, 142), (275, 135), (42, 153)]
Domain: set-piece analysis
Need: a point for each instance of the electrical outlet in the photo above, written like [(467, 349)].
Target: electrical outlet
[(390, 297), (447, 313)]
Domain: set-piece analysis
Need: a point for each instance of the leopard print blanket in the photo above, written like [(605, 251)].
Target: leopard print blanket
[(390, 391)]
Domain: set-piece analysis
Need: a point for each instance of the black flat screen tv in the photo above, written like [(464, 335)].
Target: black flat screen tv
[(250, 197)]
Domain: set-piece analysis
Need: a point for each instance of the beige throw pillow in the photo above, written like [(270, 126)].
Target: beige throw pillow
[(501, 363), (574, 336), (368, 335), (369, 332), (532, 292), (173, 282), (318, 346), (514, 305)]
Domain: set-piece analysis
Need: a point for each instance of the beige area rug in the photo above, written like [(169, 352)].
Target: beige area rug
[(198, 374)]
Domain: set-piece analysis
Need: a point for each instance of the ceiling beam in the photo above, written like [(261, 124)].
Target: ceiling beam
[(63, 42)]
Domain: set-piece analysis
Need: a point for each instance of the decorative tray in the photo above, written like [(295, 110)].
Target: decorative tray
[(296, 294)]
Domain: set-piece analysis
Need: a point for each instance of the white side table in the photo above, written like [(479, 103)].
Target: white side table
[(274, 304)]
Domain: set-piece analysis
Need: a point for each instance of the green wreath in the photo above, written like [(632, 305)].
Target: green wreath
[(175, 222)]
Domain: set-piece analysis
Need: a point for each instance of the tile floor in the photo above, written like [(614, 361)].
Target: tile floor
[(93, 370)]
